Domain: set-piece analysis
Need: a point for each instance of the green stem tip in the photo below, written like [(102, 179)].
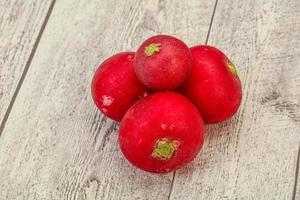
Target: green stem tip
[(152, 49), (232, 68), (164, 149)]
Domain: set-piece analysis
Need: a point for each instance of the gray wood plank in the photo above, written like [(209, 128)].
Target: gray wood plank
[(20, 24), (253, 156), (56, 144)]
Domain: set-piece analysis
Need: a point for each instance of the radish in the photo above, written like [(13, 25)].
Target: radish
[(115, 86), (163, 62), (161, 132), (214, 86)]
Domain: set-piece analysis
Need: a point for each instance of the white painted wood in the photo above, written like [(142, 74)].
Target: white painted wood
[(253, 156), (55, 144), (20, 23)]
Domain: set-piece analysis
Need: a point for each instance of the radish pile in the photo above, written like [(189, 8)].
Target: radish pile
[(163, 95)]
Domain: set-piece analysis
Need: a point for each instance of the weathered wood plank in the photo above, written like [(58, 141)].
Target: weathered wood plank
[(253, 156), (55, 143), (20, 24)]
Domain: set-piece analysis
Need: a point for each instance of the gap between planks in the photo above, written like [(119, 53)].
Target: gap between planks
[(36, 43), (296, 175), (211, 21)]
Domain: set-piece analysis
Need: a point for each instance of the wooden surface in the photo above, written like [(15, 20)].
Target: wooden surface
[(54, 132), (254, 155), (56, 145), (21, 24)]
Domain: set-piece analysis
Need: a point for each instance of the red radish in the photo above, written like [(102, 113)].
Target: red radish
[(161, 132), (214, 86), (115, 86), (163, 62)]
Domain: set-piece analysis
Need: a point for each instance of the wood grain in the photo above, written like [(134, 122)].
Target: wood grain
[(253, 155), (20, 25), (56, 144)]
